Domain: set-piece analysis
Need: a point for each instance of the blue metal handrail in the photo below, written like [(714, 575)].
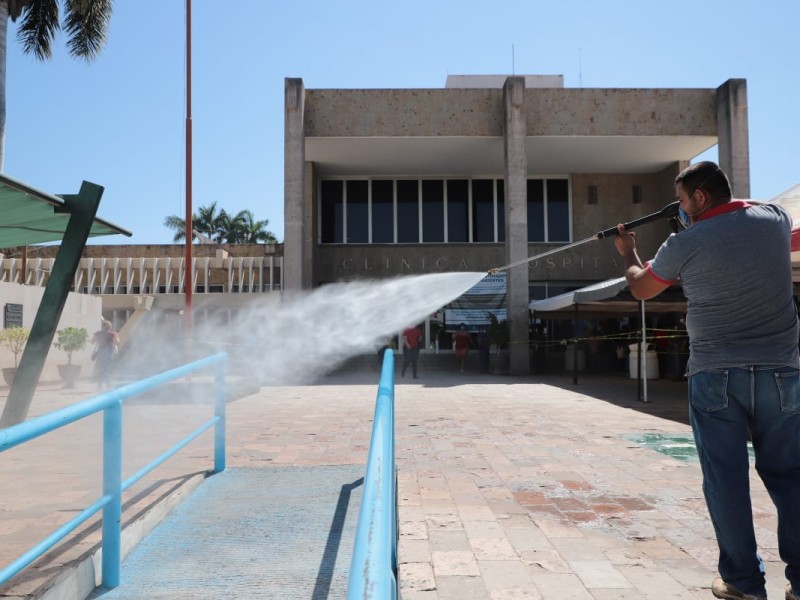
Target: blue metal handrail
[(113, 486), (373, 569)]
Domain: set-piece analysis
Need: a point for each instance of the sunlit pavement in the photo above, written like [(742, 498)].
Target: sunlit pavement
[(509, 488)]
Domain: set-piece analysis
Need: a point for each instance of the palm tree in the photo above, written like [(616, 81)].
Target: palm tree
[(210, 223), (85, 22), (242, 228), (179, 225), (246, 230)]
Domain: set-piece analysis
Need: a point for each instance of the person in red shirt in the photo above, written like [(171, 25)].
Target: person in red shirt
[(412, 338), (463, 342)]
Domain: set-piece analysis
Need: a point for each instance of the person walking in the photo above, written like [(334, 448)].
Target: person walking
[(412, 337), (733, 262), (106, 345), (462, 342)]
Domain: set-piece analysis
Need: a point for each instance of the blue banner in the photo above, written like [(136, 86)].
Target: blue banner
[(488, 296)]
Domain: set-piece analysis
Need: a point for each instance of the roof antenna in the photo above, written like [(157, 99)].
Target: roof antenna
[(513, 69), (580, 67)]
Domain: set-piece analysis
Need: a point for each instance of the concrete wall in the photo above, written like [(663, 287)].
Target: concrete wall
[(404, 113), (80, 310), (351, 262), (479, 112), (621, 112)]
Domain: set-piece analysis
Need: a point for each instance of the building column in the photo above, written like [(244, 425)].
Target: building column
[(294, 200), (516, 206), (733, 136)]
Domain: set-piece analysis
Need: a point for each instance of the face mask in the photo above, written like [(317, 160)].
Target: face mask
[(683, 219)]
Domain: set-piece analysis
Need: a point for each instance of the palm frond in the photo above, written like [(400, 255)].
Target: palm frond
[(178, 224), (15, 8), (38, 28), (86, 24)]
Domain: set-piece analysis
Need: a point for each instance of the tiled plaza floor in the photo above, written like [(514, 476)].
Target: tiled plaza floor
[(509, 487)]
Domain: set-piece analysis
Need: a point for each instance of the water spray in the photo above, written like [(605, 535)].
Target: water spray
[(670, 211)]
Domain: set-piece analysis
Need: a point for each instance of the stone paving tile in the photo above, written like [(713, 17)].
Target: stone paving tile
[(503, 574), (454, 562), (599, 574), (416, 577), (515, 594), (460, 588), (509, 488), (558, 586)]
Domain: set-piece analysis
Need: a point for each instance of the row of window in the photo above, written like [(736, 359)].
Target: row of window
[(413, 211)]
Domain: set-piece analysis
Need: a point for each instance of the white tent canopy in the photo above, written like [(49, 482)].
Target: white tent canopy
[(590, 293)]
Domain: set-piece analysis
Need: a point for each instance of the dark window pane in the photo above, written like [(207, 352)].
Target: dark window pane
[(357, 212), (432, 211), (483, 210), (501, 210), (331, 199), (535, 210), (537, 291), (382, 212), (407, 211), (457, 210), (557, 210)]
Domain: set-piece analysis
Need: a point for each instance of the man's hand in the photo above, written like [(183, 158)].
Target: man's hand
[(625, 242), (641, 282)]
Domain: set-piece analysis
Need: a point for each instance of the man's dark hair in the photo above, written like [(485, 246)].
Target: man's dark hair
[(707, 176)]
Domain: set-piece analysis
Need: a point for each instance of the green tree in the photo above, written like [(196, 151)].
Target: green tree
[(15, 338), (206, 222), (219, 226), (85, 23), (71, 339), (245, 229)]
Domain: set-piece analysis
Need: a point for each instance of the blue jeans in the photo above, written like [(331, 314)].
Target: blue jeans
[(727, 406)]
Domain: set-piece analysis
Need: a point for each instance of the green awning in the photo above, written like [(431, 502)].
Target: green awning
[(30, 216)]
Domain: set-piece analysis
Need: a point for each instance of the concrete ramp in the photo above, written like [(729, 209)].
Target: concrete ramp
[(279, 533)]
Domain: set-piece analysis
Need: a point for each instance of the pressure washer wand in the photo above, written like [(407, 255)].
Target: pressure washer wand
[(668, 212)]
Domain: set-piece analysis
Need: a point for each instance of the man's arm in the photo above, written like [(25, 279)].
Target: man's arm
[(641, 281)]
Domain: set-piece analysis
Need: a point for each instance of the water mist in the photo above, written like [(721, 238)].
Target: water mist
[(296, 337)]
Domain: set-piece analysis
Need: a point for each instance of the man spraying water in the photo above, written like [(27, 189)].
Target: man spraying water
[(734, 265)]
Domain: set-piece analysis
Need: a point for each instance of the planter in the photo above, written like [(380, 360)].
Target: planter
[(8, 375), (69, 374)]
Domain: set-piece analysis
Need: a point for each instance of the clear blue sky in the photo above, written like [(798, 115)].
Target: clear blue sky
[(119, 121)]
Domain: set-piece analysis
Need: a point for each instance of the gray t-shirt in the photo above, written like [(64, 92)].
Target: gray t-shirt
[(736, 272)]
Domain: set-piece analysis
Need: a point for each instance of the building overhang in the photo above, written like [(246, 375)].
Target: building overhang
[(470, 156)]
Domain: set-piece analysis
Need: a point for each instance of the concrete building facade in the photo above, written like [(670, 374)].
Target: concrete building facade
[(487, 171), (130, 281)]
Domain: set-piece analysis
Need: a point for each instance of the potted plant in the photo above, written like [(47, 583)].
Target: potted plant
[(70, 339), (13, 338)]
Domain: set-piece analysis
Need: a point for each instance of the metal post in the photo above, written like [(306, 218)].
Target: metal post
[(643, 354), (82, 208), (219, 411), (188, 284), (575, 347), (112, 487)]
